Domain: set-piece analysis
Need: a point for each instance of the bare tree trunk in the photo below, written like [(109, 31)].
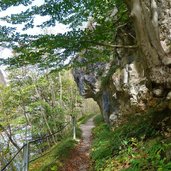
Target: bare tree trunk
[(144, 15), (44, 116), (52, 92), (60, 86), (46, 122), (10, 138), (74, 127), (25, 115)]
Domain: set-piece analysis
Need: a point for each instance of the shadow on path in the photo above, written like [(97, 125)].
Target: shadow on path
[(79, 158)]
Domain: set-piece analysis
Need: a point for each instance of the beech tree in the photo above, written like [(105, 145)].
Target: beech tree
[(145, 17), (134, 26), (51, 50)]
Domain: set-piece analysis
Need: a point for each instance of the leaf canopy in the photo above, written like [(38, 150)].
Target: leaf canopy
[(91, 24)]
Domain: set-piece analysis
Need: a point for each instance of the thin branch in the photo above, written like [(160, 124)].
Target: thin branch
[(115, 46)]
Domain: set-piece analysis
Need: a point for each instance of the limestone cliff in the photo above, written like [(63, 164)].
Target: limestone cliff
[(118, 91), (124, 85)]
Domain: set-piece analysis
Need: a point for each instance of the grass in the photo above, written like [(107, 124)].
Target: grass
[(53, 157), (51, 160), (136, 145), (85, 118)]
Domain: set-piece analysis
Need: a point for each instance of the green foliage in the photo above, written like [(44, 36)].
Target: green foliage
[(85, 118), (101, 148), (106, 78), (102, 28), (98, 120), (78, 132), (52, 159), (42, 101), (149, 157), (63, 149), (135, 145), (7, 3)]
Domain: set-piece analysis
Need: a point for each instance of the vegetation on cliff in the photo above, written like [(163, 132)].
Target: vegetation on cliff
[(140, 143)]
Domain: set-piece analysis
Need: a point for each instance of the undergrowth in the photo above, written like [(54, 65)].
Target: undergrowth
[(85, 118), (139, 144), (52, 159)]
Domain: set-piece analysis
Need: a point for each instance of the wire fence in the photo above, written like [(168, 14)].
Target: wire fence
[(32, 150)]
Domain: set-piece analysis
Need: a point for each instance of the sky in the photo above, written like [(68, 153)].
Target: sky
[(38, 20), (59, 28)]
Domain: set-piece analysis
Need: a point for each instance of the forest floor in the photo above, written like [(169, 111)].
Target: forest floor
[(79, 158)]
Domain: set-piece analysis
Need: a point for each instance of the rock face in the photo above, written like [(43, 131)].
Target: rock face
[(121, 86), (118, 91)]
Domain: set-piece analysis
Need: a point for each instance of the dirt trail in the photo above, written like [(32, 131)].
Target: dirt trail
[(79, 157)]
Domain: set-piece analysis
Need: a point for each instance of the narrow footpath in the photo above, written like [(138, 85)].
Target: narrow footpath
[(79, 159)]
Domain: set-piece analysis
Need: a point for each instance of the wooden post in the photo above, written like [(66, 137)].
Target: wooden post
[(74, 127), (25, 165)]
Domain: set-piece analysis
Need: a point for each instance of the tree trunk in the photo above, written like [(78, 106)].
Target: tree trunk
[(44, 115), (60, 86), (74, 127), (10, 138), (52, 91), (144, 15), (25, 115)]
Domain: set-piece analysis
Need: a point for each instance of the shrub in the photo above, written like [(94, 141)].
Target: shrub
[(135, 145), (85, 118), (64, 147)]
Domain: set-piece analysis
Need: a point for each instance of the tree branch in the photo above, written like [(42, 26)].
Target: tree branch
[(114, 46)]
